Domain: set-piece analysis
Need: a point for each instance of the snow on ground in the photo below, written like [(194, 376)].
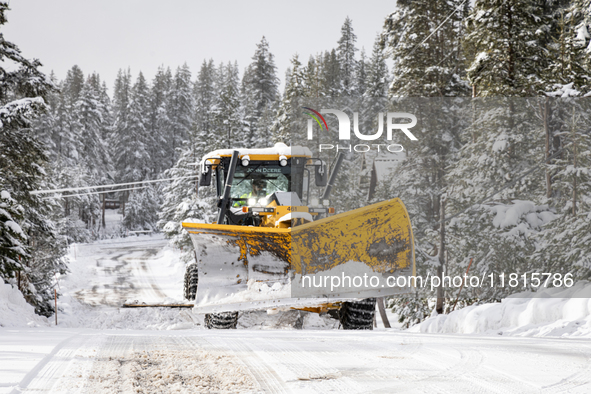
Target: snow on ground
[(281, 361), (109, 273), (14, 310), (553, 312), (100, 347)]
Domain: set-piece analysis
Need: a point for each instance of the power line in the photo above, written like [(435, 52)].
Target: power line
[(74, 189), (88, 194), (438, 27)]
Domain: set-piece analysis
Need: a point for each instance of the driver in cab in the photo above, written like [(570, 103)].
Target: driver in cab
[(258, 191)]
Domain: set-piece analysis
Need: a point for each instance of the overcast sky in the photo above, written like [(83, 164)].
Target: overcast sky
[(107, 35)]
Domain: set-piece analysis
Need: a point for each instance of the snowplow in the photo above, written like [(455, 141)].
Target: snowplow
[(277, 244)]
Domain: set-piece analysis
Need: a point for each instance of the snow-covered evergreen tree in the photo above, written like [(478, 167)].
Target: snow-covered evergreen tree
[(23, 161), (427, 53), (312, 75), (565, 244), (294, 89), (12, 238), (131, 157), (180, 107), (568, 63), (504, 47), (346, 57), (331, 75), (89, 114), (376, 81), (180, 202), (361, 76), (227, 124), (141, 210), (260, 94), (158, 125)]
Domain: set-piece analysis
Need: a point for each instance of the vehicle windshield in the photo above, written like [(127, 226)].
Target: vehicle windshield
[(260, 180)]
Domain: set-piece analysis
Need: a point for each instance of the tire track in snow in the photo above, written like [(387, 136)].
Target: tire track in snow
[(579, 382), (308, 367), (166, 364), (48, 374), (264, 374)]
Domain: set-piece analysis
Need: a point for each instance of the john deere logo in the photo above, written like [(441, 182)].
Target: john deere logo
[(394, 121)]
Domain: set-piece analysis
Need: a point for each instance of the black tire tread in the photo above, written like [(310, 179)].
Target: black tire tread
[(358, 315), (222, 320), (191, 282)]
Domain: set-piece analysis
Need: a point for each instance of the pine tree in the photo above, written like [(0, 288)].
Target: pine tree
[(504, 46), (312, 77), (141, 211), (73, 84), (66, 141), (89, 114), (294, 89), (331, 75), (12, 238), (346, 57), (132, 160), (427, 61), (205, 97), (567, 59), (180, 109), (180, 202), (361, 81), (427, 53), (226, 114), (565, 243), (260, 94), (22, 169), (159, 124), (376, 81)]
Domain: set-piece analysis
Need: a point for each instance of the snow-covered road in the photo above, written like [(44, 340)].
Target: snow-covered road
[(101, 348), (62, 361)]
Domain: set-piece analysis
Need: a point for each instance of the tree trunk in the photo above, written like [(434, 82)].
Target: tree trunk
[(574, 134), (545, 116), (440, 295), (104, 206), (382, 310)]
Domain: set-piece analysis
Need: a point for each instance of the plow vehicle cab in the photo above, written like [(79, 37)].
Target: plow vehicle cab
[(272, 230)]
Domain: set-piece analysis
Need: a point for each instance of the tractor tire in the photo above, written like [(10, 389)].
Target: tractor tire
[(221, 321), (358, 315), (191, 282)]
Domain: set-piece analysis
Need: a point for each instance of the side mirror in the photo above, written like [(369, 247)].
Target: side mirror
[(205, 177), (321, 175)]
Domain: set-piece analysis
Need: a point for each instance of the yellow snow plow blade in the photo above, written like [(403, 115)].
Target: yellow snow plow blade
[(245, 267)]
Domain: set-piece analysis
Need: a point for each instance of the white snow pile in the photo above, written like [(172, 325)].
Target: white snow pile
[(555, 312), (14, 310), (521, 216), (564, 91)]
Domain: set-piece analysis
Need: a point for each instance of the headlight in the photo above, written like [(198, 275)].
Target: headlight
[(314, 201), (282, 161), (245, 160), (326, 203), (252, 202), (263, 202)]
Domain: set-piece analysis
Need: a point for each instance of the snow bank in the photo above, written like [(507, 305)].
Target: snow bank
[(554, 312), (14, 310), (78, 315)]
